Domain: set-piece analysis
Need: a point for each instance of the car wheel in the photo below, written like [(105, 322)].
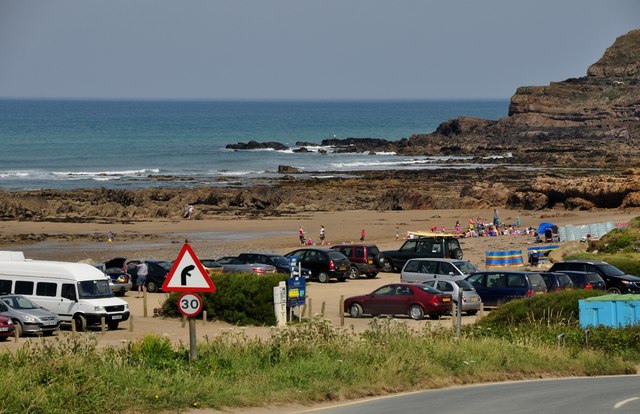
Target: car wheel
[(614, 290), (387, 266), (355, 310), (113, 325), (434, 316), (372, 275), (416, 312), (472, 312), (80, 323), (354, 272), (323, 277), (152, 287), (457, 254)]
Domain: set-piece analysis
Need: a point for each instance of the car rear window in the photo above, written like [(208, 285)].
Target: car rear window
[(536, 282), (431, 290), (593, 278), (565, 281), (333, 255), (373, 250)]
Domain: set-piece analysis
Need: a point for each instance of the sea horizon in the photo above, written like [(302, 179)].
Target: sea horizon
[(82, 143)]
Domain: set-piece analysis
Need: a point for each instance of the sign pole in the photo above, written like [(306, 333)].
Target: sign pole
[(193, 353)]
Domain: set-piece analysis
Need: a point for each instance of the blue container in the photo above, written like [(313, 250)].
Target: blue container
[(610, 310)]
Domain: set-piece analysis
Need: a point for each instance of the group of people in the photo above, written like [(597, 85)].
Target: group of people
[(323, 234)]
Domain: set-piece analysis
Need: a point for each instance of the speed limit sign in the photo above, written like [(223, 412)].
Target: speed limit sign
[(190, 304)]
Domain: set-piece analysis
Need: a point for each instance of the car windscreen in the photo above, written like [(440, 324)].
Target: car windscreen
[(610, 270), (165, 265), (91, 289), (19, 302), (465, 267), (280, 261), (466, 286)]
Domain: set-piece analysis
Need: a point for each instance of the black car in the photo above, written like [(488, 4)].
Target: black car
[(158, 271), (557, 281), (324, 264), (445, 247), (616, 280), (585, 280)]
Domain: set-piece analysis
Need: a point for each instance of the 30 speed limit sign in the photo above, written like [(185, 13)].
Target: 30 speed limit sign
[(190, 304)]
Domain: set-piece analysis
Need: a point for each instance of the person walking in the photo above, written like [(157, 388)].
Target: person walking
[(362, 234), (143, 271), (301, 235), (322, 234), (397, 233)]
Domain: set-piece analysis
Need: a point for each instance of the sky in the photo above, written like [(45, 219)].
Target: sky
[(300, 49)]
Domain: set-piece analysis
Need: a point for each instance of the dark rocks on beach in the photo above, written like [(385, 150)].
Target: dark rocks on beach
[(254, 145), (287, 169)]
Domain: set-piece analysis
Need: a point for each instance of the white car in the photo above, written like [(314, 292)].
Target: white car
[(471, 301)]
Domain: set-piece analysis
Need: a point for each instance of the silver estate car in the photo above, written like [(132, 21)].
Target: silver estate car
[(28, 317), (471, 301), (423, 269)]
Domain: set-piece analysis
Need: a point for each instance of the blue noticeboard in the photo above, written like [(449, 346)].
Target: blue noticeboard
[(296, 291)]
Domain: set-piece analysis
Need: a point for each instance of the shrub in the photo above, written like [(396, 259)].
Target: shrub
[(240, 298)]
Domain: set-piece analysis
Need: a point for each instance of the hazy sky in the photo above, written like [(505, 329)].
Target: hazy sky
[(301, 49)]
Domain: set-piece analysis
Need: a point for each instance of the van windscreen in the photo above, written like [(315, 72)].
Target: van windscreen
[(90, 289)]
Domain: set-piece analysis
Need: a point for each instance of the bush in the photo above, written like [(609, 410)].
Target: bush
[(240, 298)]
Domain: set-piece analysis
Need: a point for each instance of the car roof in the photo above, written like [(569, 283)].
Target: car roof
[(509, 272), (354, 244), (436, 259), (584, 261)]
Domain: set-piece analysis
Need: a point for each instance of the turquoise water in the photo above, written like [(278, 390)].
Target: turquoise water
[(87, 144)]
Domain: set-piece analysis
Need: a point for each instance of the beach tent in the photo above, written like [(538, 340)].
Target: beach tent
[(543, 226)]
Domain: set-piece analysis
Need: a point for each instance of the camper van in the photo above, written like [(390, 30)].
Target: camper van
[(78, 293)]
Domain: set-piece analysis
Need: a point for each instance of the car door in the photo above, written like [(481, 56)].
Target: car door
[(312, 260), (494, 289), (400, 301), (379, 302)]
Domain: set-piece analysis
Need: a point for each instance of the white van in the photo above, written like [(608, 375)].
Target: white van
[(78, 293)]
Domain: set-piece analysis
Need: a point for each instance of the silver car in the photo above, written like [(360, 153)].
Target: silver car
[(28, 317), (423, 269), (235, 265), (471, 301)]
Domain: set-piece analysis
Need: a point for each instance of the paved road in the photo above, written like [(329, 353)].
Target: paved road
[(595, 395)]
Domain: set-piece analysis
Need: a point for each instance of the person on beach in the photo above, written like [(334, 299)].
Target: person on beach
[(322, 234), (362, 234), (143, 271), (109, 237), (496, 221), (457, 227), (301, 234), (397, 233), (189, 212)]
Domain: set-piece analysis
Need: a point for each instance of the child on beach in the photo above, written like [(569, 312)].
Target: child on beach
[(322, 234)]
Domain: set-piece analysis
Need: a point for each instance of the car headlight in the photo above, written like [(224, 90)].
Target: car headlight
[(99, 309), (126, 307), (31, 319)]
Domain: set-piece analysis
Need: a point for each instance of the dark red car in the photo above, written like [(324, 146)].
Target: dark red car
[(6, 328), (400, 299)]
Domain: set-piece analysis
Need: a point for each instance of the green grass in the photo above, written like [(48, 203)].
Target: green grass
[(309, 362)]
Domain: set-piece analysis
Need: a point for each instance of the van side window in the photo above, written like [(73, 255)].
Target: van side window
[(5, 287), (24, 288), (46, 289), (515, 281), (412, 266), (359, 252), (496, 280), (446, 269), (68, 291), (428, 267)]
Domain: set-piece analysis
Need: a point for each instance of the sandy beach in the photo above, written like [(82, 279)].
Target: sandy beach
[(216, 238)]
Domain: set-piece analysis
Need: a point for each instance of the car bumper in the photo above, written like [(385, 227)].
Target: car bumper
[(96, 318), (121, 287), (33, 328)]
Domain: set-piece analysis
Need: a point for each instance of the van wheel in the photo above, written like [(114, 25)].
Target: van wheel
[(113, 325), (613, 290), (354, 272), (355, 310), (80, 322), (152, 287), (457, 254), (387, 266), (416, 312), (323, 277)]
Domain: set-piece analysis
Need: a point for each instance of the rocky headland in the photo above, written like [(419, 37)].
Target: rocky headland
[(569, 145)]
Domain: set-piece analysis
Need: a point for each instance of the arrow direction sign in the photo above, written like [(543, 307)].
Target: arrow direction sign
[(188, 274)]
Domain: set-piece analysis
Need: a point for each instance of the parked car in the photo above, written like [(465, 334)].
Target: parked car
[(499, 286), (27, 317), (119, 279), (6, 328), (585, 280), (324, 264), (616, 280), (421, 270), (400, 299), (471, 301), (212, 266), (444, 247), (362, 258), (557, 281), (232, 264), (158, 271)]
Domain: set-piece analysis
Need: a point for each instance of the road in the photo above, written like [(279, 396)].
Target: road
[(593, 395)]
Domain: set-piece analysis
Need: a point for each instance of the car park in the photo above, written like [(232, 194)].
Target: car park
[(616, 280), (119, 279), (585, 280), (324, 264), (27, 317), (557, 281), (362, 258), (158, 271), (471, 301), (414, 300), (436, 246), (421, 270), (7, 328), (498, 287), (232, 264)]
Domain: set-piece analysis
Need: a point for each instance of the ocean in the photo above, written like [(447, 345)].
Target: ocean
[(71, 144)]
